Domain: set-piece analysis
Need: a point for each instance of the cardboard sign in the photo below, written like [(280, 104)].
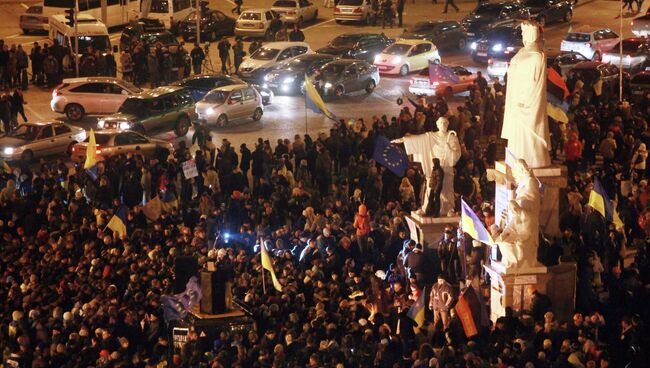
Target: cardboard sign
[(189, 169)]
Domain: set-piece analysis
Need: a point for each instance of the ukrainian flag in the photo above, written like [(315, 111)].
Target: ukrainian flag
[(416, 312), (472, 225), (599, 201), (119, 222), (314, 101), (268, 265), (91, 156)]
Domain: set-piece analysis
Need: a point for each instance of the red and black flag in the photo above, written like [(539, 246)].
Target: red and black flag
[(471, 311)]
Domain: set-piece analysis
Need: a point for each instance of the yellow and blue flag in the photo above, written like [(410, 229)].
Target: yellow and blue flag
[(119, 222), (268, 265), (599, 201), (91, 156), (472, 225), (390, 156), (416, 312), (314, 101), (176, 307)]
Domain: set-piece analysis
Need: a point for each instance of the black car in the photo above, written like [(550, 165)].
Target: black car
[(149, 31), (500, 43), (289, 77), (362, 46), (199, 85), (445, 34), (489, 15), (343, 76), (547, 11), (214, 25)]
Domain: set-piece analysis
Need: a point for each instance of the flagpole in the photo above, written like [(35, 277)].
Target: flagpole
[(305, 95)]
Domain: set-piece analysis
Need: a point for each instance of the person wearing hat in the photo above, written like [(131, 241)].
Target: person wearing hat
[(441, 301)]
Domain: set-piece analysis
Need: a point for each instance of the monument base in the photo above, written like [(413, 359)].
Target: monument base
[(508, 288), (429, 230)]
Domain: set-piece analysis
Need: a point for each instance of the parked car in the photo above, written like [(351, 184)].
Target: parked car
[(640, 85), (31, 140), (77, 97), (295, 11), (255, 67), (548, 11), (113, 142), (33, 20), (499, 43), (148, 31), (353, 10), (362, 46), (590, 71), (255, 23), (214, 25), (636, 54), (445, 34), (441, 79), (199, 85), (160, 109), (489, 15), (230, 103), (590, 43), (289, 76), (565, 60), (405, 56), (641, 25), (343, 76)]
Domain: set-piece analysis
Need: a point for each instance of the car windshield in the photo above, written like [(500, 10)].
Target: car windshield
[(96, 42), (265, 53), (629, 46), (192, 17), (577, 37), (250, 16), (333, 70), (422, 27), (134, 106), (344, 41), (131, 87), (488, 9), (501, 33), (535, 3), (351, 2), (397, 49), (159, 6), (284, 4), (26, 131), (100, 139), (298, 65), (164, 38), (216, 97)]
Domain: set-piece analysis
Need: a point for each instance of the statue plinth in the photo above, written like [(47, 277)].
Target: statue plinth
[(508, 288), (554, 181), (429, 230)]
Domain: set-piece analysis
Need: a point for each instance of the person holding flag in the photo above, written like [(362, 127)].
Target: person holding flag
[(268, 265), (90, 165), (119, 222)]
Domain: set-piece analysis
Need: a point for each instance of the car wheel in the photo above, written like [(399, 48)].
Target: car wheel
[(26, 31), (404, 70), (338, 21), (182, 126), (213, 36), (339, 91), (462, 43), (568, 16), (74, 112), (139, 128), (596, 56), (257, 115), (370, 86), (222, 120), (27, 156), (68, 151)]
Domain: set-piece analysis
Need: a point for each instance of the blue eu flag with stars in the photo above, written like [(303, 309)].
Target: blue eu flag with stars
[(390, 156)]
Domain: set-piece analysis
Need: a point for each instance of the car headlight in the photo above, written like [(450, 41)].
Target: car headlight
[(288, 80), (209, 111), (124, 125), (328, 85), (397, 60), (377, 58), (101, 124), (264, 93), (9, 150), (473, 46), (498, 47)]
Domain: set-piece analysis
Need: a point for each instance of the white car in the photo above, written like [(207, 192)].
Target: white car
[(266, 57), (77, 97), (255, 23), (641, 25), (354, 10), (636, 52), (230, 103), (590, 43), (32, 140), (295, 11), (405, 56)]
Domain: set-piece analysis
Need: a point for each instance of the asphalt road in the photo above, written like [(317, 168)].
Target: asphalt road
[(287, 115)]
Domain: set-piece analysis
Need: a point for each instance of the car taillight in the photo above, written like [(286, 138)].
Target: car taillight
[(74, 149), (358, 10), (260, 26), (337, 9), (435, 84), (98, 151), (588, 44), (291, 12), (490, 61)]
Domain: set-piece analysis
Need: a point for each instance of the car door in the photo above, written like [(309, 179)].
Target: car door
[(465, 79), (250, 102), (439, 37), (415, 56), (156, 115), (284, 55), (88, 95), (236, 108), (62, 138), (113, 97), (221, 24), (44, 144), (351, 78)]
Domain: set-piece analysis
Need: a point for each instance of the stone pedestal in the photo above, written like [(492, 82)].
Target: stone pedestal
[(508, 288), (429, 230), (553, 180)]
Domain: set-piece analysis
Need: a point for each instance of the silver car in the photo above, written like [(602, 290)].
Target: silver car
[(113, 142), (31, 140), (229, 103)]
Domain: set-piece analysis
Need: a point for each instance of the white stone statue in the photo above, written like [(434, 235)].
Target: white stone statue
[(519, 239), (443, 145), (525, 123)]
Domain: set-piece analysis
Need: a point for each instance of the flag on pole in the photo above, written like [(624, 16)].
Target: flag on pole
[(268, 265), (91, 156), (390, 156), (153, 209), (600, 202), (314, 101), (416, 312), (119, 222), (471, 311), (472, 225), (176, 307)]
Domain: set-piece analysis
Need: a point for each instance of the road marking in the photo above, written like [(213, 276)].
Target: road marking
[(318, 24), (32, 111), (24, 5), (14, 36)]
